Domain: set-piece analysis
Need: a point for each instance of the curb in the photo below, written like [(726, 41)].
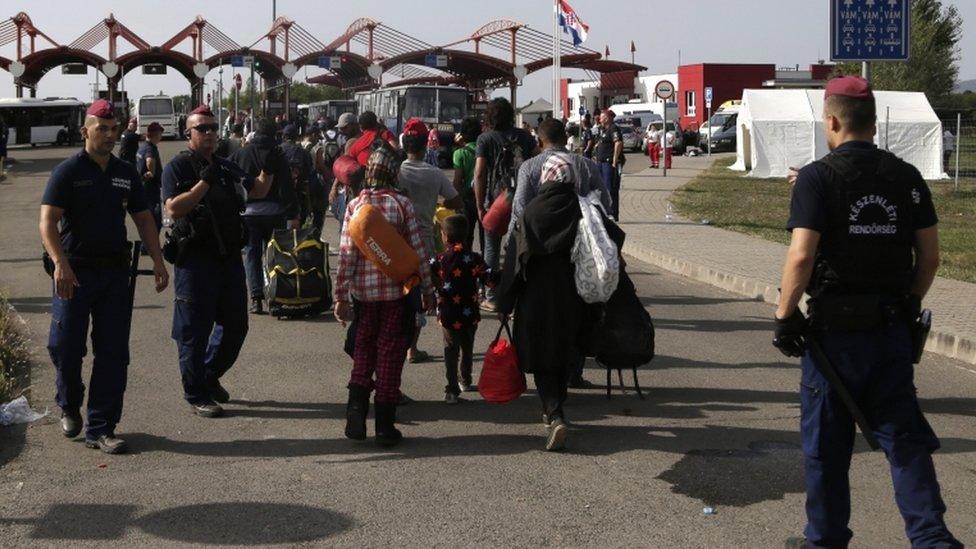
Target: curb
[(940, 342)]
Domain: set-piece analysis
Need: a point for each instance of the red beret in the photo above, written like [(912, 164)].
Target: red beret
[(202, 109), (154, 127), (849, 86), (101, 109), (415, 126)]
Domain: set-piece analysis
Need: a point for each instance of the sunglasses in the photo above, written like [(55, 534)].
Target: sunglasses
[(206, 128)]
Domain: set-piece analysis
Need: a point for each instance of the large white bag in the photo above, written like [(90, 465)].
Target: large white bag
[(595, 255)]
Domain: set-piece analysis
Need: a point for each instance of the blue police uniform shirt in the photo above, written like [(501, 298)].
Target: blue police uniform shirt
[(180, 173), (808, 205), (152, 187), (95, 203)]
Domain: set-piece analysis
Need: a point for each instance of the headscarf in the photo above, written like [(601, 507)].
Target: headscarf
[(558, 168), (381, 168)]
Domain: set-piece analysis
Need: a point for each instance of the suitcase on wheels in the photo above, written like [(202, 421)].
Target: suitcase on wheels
[(298, 283)]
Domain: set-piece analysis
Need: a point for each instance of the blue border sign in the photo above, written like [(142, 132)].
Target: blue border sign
[(870, 30)]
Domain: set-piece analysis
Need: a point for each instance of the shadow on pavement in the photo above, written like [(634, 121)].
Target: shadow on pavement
[(232, 523)]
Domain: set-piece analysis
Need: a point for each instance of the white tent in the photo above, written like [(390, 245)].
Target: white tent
[(778, 129)]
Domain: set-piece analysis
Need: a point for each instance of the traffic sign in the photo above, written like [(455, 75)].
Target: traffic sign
[(237, 81), (330, 62), (237, 60), (870, 30), (708, 97), (248, 60), (74, 68), (154, 68), (664, 89)]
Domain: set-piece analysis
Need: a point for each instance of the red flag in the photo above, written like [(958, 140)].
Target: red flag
[(607, 54), (633, 48)]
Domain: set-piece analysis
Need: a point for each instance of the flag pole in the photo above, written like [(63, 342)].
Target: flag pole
[(556, 60)]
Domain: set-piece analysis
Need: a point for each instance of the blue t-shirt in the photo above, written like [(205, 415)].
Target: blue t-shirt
[(152, 187), (808, 205), (95, 203)]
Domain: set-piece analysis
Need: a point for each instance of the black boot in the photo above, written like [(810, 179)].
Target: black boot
[(386, 432), (356, 410)]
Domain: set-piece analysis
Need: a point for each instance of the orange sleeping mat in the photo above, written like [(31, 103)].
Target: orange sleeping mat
[(384, 247)]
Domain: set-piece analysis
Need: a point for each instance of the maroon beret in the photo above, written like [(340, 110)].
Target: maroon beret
[(204, 110), (101, 109), (154, 127), (849, 86)]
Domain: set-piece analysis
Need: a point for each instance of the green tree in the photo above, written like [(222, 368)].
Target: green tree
[(932, 66)]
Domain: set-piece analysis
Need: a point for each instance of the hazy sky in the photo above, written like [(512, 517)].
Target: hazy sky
[(784, 32)]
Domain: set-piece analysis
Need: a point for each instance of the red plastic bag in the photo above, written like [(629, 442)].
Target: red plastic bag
[(501, 380), (498, 215)]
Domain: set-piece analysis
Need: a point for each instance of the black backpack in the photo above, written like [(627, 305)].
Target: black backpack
[(504, 171)]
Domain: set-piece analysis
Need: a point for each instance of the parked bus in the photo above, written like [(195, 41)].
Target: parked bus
[(41, 121), (156, 108), (331, 109), (441, 107)]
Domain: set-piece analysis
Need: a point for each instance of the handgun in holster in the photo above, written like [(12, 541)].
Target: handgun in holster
[(920, 333)]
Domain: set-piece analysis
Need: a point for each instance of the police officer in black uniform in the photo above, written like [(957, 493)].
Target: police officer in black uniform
[(609, 154), (87, 198), (204, 195), (865, 248), (129, 142)]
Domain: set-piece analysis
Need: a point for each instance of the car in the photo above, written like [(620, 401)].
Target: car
[(724, 140), (632, 140)]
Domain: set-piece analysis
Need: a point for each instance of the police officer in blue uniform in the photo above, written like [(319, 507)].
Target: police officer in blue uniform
[(865, 248), (150, 168), (82, 225), (204, 195)]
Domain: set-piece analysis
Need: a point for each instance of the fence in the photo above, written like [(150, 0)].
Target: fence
[(960, 163)]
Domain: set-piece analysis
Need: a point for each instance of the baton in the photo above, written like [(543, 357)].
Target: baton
[(134, 271), (823, 365)]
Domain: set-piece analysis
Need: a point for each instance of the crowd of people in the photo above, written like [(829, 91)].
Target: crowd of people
[(221, 200), (521, 194)]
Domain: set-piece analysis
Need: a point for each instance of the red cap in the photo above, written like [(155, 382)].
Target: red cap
[(849, 86), (204, 110), (101, 109), (415, 126), (154, 127)]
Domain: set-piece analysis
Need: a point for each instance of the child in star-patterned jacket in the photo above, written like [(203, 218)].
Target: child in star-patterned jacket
[(457, 272)]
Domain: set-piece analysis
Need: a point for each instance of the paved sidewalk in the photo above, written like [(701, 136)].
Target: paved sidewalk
[(751, 266)]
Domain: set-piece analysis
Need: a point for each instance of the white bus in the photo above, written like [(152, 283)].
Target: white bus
[(34, 121), (156, 108)]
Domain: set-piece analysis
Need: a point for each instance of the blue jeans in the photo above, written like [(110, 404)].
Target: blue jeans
[(259, 231), (209, 321), (103, 296), (876, 367), (611, 178), (493, 254)]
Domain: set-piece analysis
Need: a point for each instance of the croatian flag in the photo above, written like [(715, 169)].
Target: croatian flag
[(571, 23)]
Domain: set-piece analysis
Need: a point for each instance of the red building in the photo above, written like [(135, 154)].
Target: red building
[(726, 80)]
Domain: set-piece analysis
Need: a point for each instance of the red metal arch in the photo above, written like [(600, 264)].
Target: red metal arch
[(180, 61), (38, 63), (571, 61), (464, 64), (269, 68)]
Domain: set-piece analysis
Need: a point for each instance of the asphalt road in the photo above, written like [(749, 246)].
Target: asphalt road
[(719, 428)]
